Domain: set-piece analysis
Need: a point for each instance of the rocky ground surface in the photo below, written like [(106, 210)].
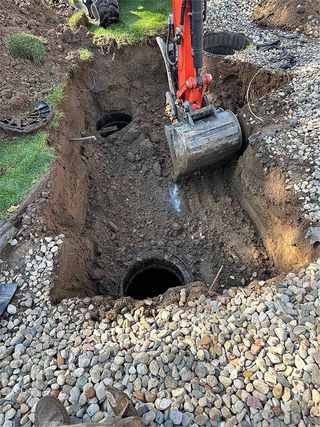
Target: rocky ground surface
[(297, 145), (249, 357)]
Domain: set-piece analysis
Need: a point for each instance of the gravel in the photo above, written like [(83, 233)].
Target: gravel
[(248, 357), (296, 147)]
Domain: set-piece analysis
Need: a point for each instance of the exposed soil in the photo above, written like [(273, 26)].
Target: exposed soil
[(290, 14), (128, 211), (117, 203), (23, 83)]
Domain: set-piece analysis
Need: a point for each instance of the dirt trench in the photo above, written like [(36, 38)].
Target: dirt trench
[(131, 230)]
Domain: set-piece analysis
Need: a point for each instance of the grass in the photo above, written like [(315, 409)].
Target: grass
[(27, 46), (75, 18), (85, 54), (24, 159), (54, 99), (139, 19)]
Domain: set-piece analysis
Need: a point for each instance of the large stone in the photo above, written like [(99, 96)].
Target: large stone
[(92, 409), (254, 402), (164, 404), (261, 386), (175, 416)]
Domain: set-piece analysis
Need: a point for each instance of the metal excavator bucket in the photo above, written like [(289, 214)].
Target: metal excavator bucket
[(204, 142)]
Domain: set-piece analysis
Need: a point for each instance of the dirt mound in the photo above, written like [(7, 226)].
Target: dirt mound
[(23, 83), (290, 14)]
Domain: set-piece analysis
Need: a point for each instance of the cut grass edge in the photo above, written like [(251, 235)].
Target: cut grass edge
[(24, 160), (75, 18), (54, 99), (139, 20)]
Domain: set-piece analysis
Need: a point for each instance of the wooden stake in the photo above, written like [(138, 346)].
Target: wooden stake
[(216, 278)]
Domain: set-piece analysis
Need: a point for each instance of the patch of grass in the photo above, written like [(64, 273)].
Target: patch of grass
[(85, 54), (139, 19), (54, 99), (75, 18), (24, 160), (27, 46)]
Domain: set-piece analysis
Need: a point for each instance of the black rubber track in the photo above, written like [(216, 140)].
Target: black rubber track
[(225, 43), (108, 11)]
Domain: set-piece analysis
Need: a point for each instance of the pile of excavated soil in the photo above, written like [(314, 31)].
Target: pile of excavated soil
[(23, 83), (289, 14)]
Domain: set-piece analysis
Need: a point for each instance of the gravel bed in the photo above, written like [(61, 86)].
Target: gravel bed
[(297, 146), (249, 357)]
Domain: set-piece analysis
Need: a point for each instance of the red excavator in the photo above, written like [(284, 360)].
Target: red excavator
[(200, 135)]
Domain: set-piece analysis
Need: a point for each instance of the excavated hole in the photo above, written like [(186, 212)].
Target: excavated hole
[(152, 277), (112, 122), (118, 198), (225, 43)]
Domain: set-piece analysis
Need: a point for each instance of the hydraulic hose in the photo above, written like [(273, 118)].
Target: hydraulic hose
[(197, 32), (183, 11), (205, 9), (170, 35)]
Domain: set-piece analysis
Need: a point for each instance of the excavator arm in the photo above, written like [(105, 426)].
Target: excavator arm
[(202, 135), (188, 16)]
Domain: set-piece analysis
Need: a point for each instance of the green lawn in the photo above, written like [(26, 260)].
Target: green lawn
[(22, 162), (139, 19), (27, 46), (54, 99)]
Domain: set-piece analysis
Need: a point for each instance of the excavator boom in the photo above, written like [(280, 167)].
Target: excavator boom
[(202, 134)]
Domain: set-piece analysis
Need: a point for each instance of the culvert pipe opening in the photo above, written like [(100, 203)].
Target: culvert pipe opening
[(224, 43), (151, 277), (112, 122)]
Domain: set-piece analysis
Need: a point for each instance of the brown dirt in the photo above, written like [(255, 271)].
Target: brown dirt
[(275, 211), (22, 83), (290, 14), (128, 213), (112, 198), (231, 80)]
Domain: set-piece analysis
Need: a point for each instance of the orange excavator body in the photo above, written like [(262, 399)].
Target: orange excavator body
[(191, 85), (200, 134)]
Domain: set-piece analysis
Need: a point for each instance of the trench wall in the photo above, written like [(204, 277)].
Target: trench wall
[(275, 213)]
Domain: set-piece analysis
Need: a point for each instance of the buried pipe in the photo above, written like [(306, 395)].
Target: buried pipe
[(84, 139), (112, 122), (151, 277)]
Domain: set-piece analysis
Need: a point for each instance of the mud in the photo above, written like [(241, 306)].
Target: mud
[(116, 201)]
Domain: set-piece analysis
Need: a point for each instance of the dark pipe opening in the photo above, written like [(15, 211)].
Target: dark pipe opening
[(112, 122), (224, 43), (152, 277)]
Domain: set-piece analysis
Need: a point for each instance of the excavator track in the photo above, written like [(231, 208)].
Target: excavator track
[(108, 11)]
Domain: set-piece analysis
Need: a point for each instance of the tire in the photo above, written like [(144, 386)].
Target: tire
[(108, 11)]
